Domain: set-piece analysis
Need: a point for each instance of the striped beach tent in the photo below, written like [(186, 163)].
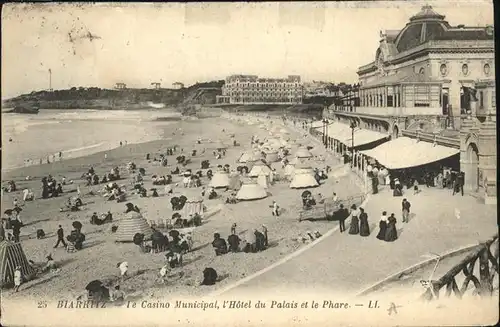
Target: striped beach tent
[(132, 225), (11, 256)]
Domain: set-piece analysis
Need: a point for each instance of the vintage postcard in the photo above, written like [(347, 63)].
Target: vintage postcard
[(249, 164)]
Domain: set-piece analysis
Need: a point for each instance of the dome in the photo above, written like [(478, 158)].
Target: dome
[(426, 13), (428, 25)]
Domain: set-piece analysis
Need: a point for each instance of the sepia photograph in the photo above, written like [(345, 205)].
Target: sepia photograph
[(249, 163)]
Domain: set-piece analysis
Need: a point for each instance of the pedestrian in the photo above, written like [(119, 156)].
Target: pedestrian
[(264, 232), (60, 237), (17, 278), (342, 214), (459, 184), (276, 209), (233, 229), (382, 225), (415, 187), (391, 233), (354, 228), (335, 197), (123, 266), (60, 155), (16, 230), (406, 210), (105, 156), (364, 227), (121, 143)]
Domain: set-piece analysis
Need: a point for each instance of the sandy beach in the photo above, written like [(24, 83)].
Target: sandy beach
[(100, 254)]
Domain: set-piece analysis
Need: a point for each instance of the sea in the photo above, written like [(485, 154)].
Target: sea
[(31, 139)]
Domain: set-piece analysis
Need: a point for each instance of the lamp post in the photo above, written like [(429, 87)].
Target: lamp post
[(353, 126), (325, 132)]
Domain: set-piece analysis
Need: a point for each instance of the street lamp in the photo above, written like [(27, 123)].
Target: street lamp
[(325, 132), (352, 126)]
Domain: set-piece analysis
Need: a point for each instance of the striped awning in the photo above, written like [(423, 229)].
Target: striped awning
[(405, 152)]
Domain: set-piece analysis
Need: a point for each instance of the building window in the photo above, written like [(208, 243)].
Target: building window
[(465, 69), (493, 99), (487, 69), (443, 69), (390, 101), (481, 100), (422, 96), (421, 71)]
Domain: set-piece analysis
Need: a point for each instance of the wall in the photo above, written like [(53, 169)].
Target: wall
[(399, 111)]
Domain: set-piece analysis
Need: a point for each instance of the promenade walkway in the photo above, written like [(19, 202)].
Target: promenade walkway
[(351, 263)]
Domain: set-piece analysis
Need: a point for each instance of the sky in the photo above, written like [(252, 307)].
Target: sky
[(140, 43)]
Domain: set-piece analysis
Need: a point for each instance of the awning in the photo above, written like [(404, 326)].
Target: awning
[(405, 152), (364, 136), (343, 133)]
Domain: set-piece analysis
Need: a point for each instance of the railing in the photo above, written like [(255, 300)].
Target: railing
[(393, 111), (429, 137), (483, 285), (320, 211)]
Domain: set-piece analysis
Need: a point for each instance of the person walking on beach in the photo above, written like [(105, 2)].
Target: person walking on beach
[(276, 209), (406, 210), (60, 237), (123, 266), (17, 278), (60, 155)]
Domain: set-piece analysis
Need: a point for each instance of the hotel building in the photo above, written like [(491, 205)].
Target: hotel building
[(250, 89), (432, 82)]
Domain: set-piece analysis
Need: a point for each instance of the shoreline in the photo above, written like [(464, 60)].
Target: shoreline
[(157, 123)]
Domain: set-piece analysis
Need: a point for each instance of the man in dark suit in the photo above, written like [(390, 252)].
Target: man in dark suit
[(342, 215), (60, 237)]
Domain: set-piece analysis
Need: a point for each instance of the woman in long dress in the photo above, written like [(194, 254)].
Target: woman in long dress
[(364, 228), (391, 234), (354, 229), (382, 226)]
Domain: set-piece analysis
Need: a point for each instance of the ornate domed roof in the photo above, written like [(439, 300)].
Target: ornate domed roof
[(427, 13)]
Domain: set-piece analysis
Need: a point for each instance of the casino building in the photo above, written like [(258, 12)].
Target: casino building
[(430, 82), (250, 89)]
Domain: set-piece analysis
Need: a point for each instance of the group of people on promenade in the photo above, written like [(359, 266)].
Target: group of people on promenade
[(359, 221)]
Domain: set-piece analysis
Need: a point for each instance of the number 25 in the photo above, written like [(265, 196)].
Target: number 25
[(42, 304)]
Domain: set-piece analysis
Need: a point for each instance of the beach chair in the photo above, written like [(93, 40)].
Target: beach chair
[(161, 223), (152, 223), (70, 248)]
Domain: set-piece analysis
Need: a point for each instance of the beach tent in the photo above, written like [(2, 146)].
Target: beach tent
[(303, 152), (11, 256), (272, 156), (295, 161), (303, 180), (249, 156), (193, 206), (251, 191), (220, 180), (263, 180), (259, 168), (303, 176), (288, 170), (302, 168), (134, 223), (234, 182)]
